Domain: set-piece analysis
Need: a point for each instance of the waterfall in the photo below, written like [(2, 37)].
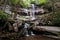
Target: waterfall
[(33, 11)]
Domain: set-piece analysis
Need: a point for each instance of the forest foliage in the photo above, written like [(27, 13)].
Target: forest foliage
[(26, 3), (53, 6)]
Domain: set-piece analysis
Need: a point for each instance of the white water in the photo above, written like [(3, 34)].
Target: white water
[(33, 11), (7, 9)]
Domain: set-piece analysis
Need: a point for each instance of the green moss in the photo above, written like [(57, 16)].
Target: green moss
[(3, 18), (14, 1), (3, 15)]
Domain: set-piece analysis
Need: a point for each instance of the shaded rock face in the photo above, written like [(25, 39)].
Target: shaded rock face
[(51, 19), (36, 37), (1, 1)]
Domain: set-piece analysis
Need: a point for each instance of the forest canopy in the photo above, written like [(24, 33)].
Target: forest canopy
[(26, 3)]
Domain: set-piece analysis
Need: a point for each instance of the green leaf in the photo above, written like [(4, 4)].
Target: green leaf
[(25, 3), (40, 2)]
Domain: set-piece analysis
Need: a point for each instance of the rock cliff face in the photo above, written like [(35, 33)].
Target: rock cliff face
[(50, 19)]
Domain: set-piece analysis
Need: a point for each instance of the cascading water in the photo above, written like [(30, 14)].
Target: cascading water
[(7, 9), (33, 12), (27, 25)]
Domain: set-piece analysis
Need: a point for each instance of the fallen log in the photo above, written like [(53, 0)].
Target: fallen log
[(51, 36), (47, 28)]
